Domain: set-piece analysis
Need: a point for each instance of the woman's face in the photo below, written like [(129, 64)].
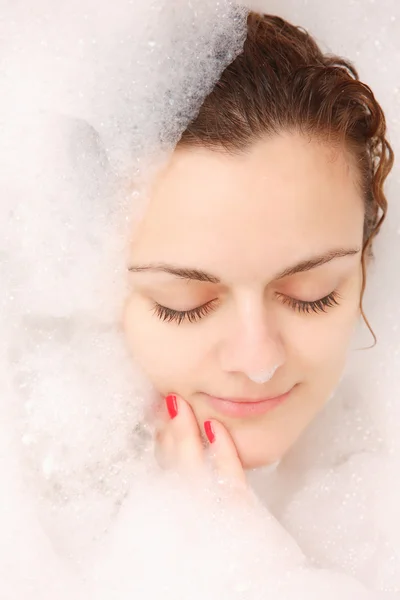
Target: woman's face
[(263, 253)]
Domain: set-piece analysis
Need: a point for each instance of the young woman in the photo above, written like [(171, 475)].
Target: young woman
[(249, 266)]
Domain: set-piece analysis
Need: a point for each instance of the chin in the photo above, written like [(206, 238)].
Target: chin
[(256, 453), (257, 462), (255, 458)]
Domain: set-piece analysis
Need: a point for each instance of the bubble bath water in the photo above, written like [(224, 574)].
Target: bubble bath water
[(94, 98)]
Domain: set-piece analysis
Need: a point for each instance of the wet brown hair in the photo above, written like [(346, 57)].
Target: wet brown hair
[(283, 82)]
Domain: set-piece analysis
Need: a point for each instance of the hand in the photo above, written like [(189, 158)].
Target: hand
[(189, 449), (182, 446)]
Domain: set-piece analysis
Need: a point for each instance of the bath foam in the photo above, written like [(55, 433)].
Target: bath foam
[(90, 97)]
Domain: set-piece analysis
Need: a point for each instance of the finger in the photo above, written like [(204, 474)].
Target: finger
[(223, 453), (181, 433), (164, 450), (156, 413)]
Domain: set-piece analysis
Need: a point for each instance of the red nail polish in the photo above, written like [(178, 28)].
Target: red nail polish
[(209, 431), (172, 405)]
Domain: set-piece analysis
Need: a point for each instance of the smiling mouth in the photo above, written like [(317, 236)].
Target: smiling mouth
[(244, 407)]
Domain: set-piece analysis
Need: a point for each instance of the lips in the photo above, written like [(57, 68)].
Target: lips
[(251, 400), (245, 407)]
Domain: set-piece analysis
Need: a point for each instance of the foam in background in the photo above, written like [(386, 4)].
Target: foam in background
[(93, 99), (89, 95)]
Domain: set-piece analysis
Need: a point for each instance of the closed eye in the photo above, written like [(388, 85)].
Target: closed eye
[(315, 306), (193, 315)]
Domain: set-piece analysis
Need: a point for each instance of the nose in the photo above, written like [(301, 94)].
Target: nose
[(253, 345)]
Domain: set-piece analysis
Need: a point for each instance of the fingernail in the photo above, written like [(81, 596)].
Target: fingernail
[(172, 405), (209, 432)]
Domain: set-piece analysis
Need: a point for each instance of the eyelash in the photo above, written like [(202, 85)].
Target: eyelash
[(192, 316), (316, 306)]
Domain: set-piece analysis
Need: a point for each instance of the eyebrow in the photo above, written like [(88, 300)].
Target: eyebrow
[(198, 275)]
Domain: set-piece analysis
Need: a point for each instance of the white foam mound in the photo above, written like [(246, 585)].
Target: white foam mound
[(93, 96)]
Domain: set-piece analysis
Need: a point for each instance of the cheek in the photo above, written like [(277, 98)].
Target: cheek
[(323, 342), (158, 348)]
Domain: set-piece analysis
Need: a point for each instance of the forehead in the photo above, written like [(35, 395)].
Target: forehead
[(286, 196)]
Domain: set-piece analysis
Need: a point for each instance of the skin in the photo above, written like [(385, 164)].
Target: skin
[(245, 219)]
